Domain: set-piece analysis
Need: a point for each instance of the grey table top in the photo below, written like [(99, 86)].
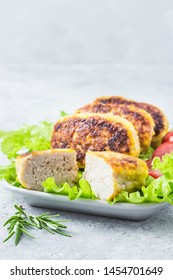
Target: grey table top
[(29, 94)]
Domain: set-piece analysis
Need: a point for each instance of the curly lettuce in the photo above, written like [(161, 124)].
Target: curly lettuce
[(82, 189), (147, 154), (28, 138), (8, 173)]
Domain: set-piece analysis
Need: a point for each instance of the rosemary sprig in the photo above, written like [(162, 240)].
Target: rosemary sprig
[(20, 222), (49, 223)]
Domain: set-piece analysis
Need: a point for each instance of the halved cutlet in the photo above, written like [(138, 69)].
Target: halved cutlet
[(95, 132), (35, 167), (109, 173), (160, 120), (141, 120)]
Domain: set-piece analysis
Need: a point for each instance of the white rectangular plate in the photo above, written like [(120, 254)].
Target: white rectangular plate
[(127, 211)]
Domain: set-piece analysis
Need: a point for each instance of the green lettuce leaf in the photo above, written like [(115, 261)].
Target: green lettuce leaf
[(28, 138), (8, 173), (148, 154), (81, 189), (63, 114), (50, 186)]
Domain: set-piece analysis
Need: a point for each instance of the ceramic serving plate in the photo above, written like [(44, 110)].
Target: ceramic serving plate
[(127, 211)]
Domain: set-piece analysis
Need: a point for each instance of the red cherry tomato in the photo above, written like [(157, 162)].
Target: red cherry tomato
[(165, 148), (168, 137), (155, 173)]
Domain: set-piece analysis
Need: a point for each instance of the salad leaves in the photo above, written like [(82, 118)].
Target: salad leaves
[(148, 154), (26, 139), (81, 189), (37, 137), (8, 173), (63, 114)]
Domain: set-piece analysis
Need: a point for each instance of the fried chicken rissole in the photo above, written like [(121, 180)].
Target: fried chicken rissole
[(160, 120), (95, 132), (141, 120), (109, 173)]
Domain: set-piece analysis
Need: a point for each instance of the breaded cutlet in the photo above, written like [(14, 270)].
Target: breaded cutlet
[(95, 132)]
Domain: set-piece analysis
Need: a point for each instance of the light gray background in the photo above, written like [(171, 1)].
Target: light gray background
[(86, 31), (58, 55)]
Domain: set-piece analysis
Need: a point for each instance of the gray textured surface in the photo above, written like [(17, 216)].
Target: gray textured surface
[(87, 31), (29, 94)]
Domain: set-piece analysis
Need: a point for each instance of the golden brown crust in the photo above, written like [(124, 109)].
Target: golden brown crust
[(51, 151), (141, 120), (120, 162), (160, 120), (95, 132), (95, 107), (111, 100)]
